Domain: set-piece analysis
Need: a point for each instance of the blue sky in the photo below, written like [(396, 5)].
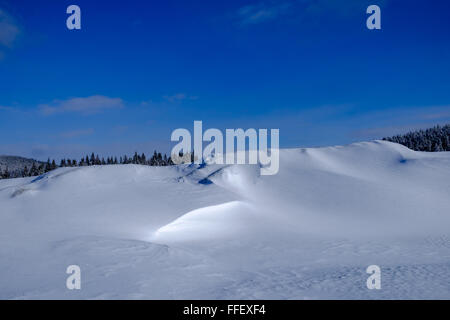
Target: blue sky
[(137, 70)]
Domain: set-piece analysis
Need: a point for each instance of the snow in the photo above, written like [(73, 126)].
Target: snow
[(225, 232)]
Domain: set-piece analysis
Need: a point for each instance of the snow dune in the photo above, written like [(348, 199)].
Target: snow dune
[(226, 232)]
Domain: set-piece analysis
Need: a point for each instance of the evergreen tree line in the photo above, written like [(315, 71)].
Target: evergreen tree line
[(157, 159), (432, 140)]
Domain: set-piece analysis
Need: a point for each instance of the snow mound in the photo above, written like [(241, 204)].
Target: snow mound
[(213, 222), (225, 231)]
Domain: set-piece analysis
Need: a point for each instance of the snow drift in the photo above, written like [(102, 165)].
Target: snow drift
[(220, 231)]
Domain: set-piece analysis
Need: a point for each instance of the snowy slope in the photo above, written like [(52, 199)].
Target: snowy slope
[(225, 232)]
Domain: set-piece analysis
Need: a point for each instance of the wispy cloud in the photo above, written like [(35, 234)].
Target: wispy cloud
[(382, 132), (167, 100), (77, 133), (341, 8), (261, 12), (6, 108), (13, 109), (120, 129), (85, 106), (265, 11), (438, 115), (9, 29), (398, 121), (179, 97)]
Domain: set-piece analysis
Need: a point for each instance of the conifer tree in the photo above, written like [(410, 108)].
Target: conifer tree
[(25, 171)]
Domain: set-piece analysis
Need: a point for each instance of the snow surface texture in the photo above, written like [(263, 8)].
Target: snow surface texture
[(225, 232)]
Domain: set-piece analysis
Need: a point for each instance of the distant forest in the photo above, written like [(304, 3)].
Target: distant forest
[(38, 168), (431, 140)]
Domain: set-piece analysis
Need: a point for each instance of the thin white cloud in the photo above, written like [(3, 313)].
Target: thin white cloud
[(175, 97), (6, 108), (438, 115), (270, 10), (85, 106), (384, 123), (339, 8), (77, 133), (9, 29), (261, 12), (388, 131), (178, 97), (119, 129)]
